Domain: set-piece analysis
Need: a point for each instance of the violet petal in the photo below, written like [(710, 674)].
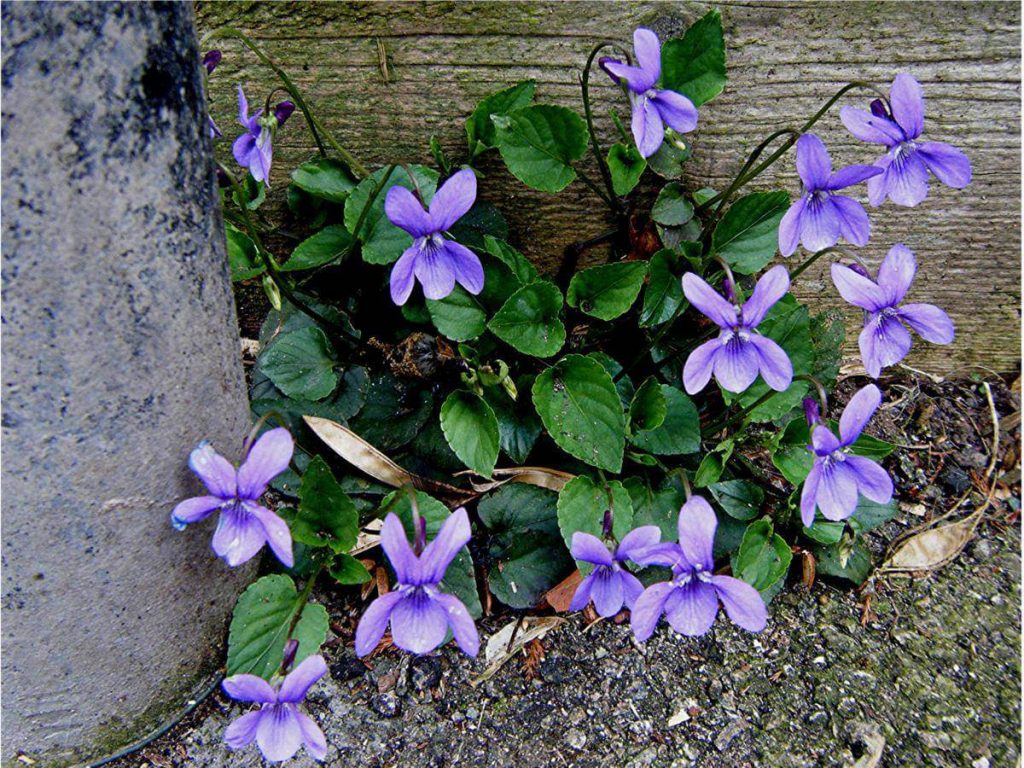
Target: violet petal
[(743, 604), (298, 682), (374, 621), (453, 200), (268, 457), (691, 609), (648, 609)]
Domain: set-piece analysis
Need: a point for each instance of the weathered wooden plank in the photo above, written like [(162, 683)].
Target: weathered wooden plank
[(785, 59)]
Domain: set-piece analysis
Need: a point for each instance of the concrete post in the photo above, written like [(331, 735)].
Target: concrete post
[(120, 352)]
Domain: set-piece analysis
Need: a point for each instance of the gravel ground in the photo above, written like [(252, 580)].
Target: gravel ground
[(925, 673)]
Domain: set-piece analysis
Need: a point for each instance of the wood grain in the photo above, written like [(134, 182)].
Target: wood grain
[(785, 60)]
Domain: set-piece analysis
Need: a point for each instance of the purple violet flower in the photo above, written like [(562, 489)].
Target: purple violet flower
[(278, 726), (419, 612), (610, 585), (437, 262), (908, 161), (690, 599), (244, 525), (885, 341), (653, 109), (739, 352), (820, 216), (254, 149), (838, 477)]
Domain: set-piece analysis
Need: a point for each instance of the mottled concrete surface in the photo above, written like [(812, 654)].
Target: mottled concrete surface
[(120, 354), (934, 673)]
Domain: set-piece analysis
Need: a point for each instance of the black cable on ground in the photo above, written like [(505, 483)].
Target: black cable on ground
[(163, 729)]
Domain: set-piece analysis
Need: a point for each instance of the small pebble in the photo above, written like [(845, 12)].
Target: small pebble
[(576, 738), (386, 704), (818, 718), (730, 732), (425, 673), (347, 668)]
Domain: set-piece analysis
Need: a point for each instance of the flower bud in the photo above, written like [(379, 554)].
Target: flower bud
[(603, 60), (860, 270), (510, 387), (676, 140), (283, 111), (273, 293), (211, 60), (606, 527), (730, 290), (291, 647), (421, 535), (811, 412)]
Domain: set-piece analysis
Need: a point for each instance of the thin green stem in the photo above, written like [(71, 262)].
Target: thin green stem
[(346, 157), (751, 174), (822, 396), (730, 286), (304, 596), (818, 254), (692, 346), (621, 128), (274, 269), (742, 413), (595, 189), (685, 477), (654, 342), (595, 145), (315, 127), (807, 263), (723, 198), (369, 201)]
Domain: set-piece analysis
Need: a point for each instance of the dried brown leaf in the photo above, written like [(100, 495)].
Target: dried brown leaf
[(560, 595), (542, 477), (933, 548), (510, 639), (356, 451), (810, 569)]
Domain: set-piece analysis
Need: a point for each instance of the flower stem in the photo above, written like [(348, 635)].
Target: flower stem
[(692, 345), (602, 164), (737, 182), (684, 477), (315, 127), (274, 269), (370, 200), (810, 260), (818, 254), (822, 397), (346, 156), (654, 342), (572, 253), (742, 413), (595, 189), (621, 128), (304, 596), (748, 175)]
